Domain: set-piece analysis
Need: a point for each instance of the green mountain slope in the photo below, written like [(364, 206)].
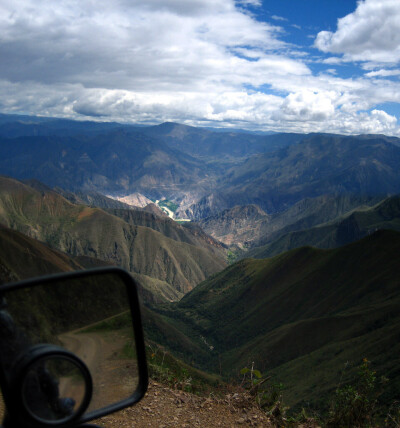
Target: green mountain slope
[(346, 229), (22, 257), (301, 315), (86, 231)]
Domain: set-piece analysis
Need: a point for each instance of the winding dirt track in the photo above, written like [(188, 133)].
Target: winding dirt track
[(111, 374), (90, 349)]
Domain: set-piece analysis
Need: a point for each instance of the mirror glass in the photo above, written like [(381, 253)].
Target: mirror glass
[(54, 388), (88, 316)]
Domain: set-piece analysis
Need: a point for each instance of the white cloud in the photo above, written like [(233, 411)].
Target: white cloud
[(331, 71), (307, 106), (131, 45), (301, 111), (333, 60), (383, 73), (278, 18), (370, 33), (197, 62), (249, 2)]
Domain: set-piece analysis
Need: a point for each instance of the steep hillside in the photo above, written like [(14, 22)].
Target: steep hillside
[(341, 231), (301, 315), (171, 229), (249, 226), (93, 199), (239, 225), (318, 165), (82, 230), (22, 257)]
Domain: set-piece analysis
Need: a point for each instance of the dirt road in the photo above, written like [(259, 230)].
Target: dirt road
[(114, 376)]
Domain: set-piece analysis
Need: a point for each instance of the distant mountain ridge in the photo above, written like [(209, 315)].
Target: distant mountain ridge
[(318, 165), (340, 231), (205, 143), (213, 177), (118, 161), (203, 171)]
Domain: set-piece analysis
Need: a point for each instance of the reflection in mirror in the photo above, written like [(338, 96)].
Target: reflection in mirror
[(88, 316), (54, 388)]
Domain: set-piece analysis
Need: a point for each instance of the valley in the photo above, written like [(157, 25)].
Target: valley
[(278, 251)]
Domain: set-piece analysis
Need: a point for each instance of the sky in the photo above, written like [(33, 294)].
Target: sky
[(266, 65)]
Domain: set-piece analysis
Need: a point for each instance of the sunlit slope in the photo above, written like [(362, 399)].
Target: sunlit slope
[(249, 226), (22, 257), (348, 228), (302, 314), (82, 230), (189, 234)]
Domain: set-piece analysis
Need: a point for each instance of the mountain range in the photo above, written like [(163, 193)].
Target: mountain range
[(317, 165), (179, 261), (342, 230), (313, 220), (203, 171), (304, 311), (249, 226)]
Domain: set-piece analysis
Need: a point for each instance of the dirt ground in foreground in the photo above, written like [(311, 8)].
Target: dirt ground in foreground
[(164, 407)]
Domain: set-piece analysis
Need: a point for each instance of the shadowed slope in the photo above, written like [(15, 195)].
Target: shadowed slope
[(303, 311), (346, 229)]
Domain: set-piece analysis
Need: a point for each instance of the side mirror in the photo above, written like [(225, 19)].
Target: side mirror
[(71, 348)]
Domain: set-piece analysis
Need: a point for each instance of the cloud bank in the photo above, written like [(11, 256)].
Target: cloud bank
[(203, 62), (371, 33)]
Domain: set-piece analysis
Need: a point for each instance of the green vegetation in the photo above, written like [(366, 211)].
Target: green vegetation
[(268, 395), (355, 404), (347, 229), (166, 368), (233, 256), (305, 311), (172, 206), (116, 322)]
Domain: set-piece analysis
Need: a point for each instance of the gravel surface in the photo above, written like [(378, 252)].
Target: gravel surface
[(164, 407)]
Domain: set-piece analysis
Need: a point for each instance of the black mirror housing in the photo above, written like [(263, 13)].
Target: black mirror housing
[(71, 348)]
